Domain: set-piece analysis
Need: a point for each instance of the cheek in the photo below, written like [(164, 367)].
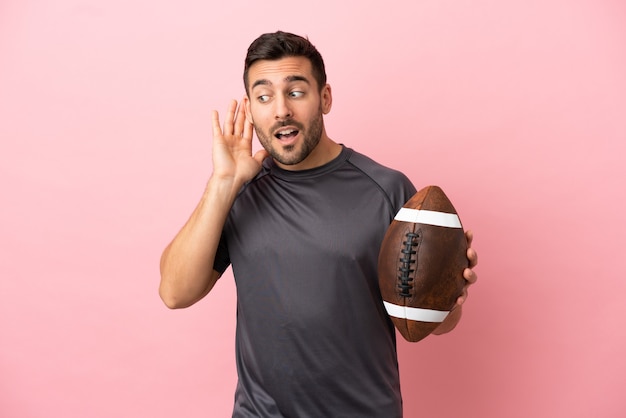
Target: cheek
[(259, 115)]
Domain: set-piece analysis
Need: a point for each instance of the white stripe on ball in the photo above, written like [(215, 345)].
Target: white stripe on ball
[(415, 314), (428, 217)]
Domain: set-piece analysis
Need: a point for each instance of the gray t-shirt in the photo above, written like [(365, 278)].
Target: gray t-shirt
[(313, 338)]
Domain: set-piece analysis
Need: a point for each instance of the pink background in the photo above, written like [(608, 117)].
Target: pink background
[(516, 108)]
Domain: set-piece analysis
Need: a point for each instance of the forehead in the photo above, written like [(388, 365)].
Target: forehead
[(276, 72)]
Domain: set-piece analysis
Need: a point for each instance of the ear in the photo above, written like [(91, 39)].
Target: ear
[(246, 106), (327, 99)]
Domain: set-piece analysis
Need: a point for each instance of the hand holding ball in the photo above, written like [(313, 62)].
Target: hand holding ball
[(421, 263)]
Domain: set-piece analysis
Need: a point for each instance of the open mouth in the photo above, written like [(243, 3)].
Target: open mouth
[(286, 134)]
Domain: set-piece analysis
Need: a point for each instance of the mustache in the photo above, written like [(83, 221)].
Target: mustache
[(287, 122)]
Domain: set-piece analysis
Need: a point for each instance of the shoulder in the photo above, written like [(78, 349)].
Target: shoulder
[(373, 168), (395, 184)]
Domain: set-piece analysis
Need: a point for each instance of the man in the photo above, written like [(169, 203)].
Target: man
[(301, 223)]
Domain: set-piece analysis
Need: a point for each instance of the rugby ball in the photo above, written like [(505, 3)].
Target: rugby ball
[(421, 263)]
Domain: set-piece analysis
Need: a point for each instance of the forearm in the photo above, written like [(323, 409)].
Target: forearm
[(186, 265)]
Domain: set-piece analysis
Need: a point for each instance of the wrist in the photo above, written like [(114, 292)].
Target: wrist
[(224, 186)]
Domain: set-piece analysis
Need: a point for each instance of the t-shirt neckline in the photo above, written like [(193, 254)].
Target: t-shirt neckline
[(330, 166)]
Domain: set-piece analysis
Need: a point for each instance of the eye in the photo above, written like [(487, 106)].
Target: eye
[(263, 98), (296, 94)]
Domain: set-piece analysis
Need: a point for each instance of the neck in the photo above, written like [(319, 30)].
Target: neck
[(325, 151)]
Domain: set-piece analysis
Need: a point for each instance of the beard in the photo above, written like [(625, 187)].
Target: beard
[(296, 153)]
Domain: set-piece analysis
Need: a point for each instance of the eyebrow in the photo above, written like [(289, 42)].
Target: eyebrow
[(288, 79)]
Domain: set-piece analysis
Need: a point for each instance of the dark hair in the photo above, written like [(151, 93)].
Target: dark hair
[(274, 46)]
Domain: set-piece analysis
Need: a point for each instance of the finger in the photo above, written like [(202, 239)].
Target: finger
[(247, 129), (259, 156), (470, 276), (469, 235), (230, 118), (461, 299), (240, 121), (247, 124), (472, 257), (215, 119)]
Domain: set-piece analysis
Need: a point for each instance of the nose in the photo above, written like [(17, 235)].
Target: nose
[(282, 111)]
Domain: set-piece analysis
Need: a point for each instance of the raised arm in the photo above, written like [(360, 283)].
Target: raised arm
[(187, 273)]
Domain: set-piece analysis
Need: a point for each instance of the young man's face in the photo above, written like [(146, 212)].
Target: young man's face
[(286, 107)]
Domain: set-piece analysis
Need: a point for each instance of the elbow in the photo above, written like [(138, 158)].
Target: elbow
[(169, 292), (170, 298), (172, 302), (177, 293)]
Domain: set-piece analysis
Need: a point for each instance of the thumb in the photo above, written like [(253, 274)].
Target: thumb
[(261, 155)]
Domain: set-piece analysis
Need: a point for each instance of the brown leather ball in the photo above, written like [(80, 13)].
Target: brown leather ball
[(421, 263)]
